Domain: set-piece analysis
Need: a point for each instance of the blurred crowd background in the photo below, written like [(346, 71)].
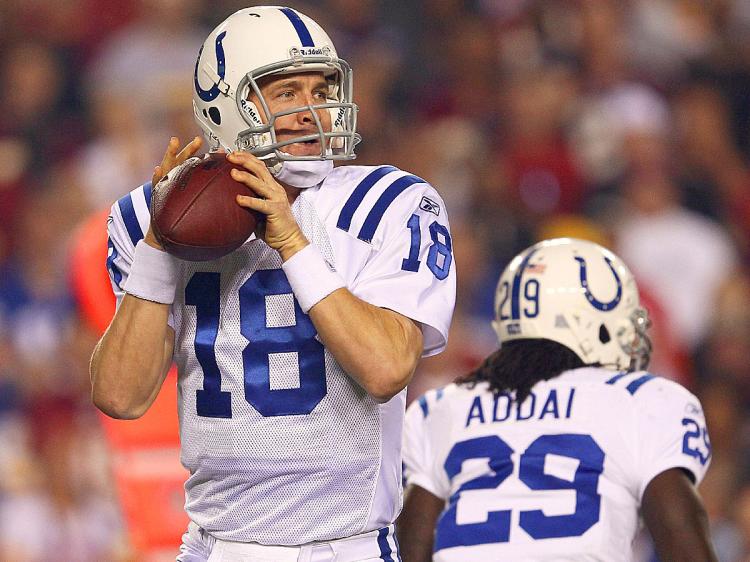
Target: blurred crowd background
[(624, 122)]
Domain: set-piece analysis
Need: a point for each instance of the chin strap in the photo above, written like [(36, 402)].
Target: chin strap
[(302, 173)]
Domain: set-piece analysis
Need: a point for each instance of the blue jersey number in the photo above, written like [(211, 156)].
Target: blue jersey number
[(440, 255), (530, 293), (695, 442), (267, 344), (585, 481), (412, 263), (203, 292)]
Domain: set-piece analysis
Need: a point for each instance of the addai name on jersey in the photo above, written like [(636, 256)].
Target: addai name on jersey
[(502, 407)]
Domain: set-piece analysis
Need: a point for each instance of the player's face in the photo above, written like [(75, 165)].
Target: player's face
[(289, 91)]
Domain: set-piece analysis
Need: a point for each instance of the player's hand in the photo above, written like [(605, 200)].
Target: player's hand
[(280, 229), (173, 157)]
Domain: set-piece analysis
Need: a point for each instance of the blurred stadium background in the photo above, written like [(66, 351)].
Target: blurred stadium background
[(625, 122)]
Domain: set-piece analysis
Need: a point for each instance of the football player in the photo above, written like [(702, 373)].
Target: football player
[(559, 442), (294, 351)]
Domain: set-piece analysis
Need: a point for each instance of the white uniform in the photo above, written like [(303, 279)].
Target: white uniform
[(559, 478), (283, 447)]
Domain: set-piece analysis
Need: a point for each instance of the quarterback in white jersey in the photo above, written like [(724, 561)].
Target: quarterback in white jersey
[(538, 455), (294, 351)]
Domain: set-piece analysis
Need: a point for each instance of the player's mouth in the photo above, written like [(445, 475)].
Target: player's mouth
[(300, 148), (304, 148)]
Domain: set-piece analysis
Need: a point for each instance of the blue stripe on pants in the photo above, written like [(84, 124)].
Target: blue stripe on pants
[(385, 548)]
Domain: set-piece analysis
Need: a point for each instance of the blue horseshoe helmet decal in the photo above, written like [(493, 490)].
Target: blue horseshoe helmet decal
[(213, 93), (596, 303)]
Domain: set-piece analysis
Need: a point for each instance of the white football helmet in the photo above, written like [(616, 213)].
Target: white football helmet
[(576, 293), (257, 42)]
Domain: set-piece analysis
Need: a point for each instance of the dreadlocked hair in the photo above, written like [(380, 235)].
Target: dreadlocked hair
[(519, 364)]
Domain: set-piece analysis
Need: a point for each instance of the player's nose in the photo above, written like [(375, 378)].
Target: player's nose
[(305, 116)]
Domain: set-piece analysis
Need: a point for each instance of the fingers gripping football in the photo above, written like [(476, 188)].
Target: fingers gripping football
[(280, 229), (173, 157)]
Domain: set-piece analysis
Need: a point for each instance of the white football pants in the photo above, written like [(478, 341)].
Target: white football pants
[(374, 546)]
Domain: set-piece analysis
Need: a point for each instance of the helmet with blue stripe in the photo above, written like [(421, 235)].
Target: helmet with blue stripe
[(578, 294), (267, 40)]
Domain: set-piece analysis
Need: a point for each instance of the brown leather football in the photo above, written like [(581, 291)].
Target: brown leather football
[(194, 212)]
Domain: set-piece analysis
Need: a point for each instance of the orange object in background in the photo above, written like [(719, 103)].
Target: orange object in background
[(145, 452), (149, 476), (89, 277)]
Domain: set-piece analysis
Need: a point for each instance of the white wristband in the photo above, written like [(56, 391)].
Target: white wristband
[(310, 277), (153, 275)]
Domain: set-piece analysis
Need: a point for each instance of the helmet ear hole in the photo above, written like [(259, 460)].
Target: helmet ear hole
[(604, 336), (215, 114)]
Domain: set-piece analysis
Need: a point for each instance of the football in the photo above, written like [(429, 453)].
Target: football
[(194, 213)]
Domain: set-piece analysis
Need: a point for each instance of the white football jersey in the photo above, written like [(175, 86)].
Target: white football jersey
[(282, 446), (559, 477)]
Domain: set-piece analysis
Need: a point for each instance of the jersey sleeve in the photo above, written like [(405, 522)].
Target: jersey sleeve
[(119, 254), (126, 225), (417, 450), (671, 432), (411, 269)]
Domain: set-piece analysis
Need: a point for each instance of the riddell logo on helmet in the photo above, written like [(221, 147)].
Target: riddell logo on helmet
[(513, 329), (309, 51), (339, 118), (248, 108)]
